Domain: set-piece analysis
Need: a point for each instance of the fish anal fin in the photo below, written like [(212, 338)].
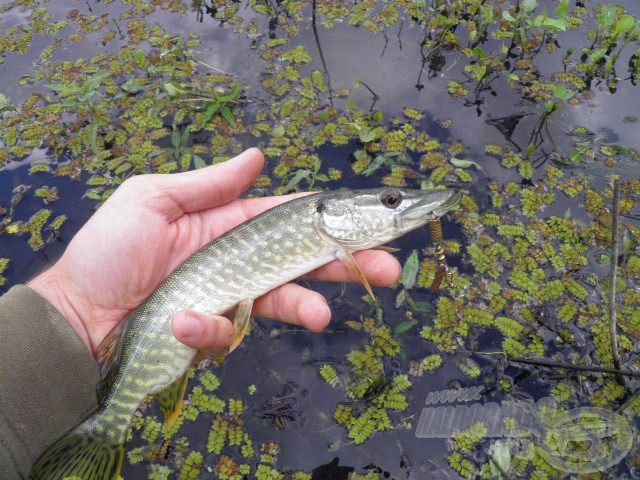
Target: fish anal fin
[(350, 262), (81, 454), (107, 355), (170, 399), (241, 323)]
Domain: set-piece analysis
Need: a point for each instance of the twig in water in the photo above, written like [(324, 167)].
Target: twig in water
[(570, 366), (615, 355)]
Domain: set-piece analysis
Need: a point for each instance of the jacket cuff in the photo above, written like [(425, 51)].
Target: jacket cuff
[(47, 379)]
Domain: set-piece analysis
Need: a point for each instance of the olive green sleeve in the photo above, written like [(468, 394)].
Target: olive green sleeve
[(47, 379)]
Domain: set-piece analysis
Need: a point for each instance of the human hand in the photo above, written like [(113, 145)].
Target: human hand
[(153, 223)]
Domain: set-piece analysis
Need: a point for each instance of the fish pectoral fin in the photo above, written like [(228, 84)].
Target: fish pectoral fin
[(350, 262), (386, 249), (170, 399), (108, 356), (241, 323)]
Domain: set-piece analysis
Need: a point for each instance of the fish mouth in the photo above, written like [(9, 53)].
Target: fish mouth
[(432, 204)]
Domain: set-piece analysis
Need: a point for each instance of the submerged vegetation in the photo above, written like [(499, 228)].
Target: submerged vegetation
[(535, 246)]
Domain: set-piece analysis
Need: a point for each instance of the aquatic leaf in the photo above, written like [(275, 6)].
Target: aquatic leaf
[(624, 25), (5, 103), (528, 5), (553, 23), (424, 307), (278, 131), (297, 177), (562, 93), (457, 162), (175, 137), (92, 83), (227, 115), (400, 298), (375, 165), (366, 135), (562, 9), (607, 16), (173, 89), (360, 154), (64, 89), (140, 58), (410, 270), (405, 326), (576, 156), (508, 17), (198, 162), (93, 137), (132, 87)]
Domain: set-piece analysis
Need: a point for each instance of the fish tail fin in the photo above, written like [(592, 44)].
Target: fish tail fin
[(82, 454)]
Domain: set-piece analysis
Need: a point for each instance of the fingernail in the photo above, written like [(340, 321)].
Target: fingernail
[(192, 327), (323, 313)]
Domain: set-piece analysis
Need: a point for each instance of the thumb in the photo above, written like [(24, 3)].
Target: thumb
[(210, 334), (175, 194)]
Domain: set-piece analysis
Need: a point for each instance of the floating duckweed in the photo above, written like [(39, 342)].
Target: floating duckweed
[(432, 160), (456, 90), (412, 113), (567, 312), (509, 327), (373, 419), (495, 150), (432, 362), (151, 430), (265, 472), (427, 273), (4, 264), (446, 317), (571, 187), (192, 465), (204, 402), (608, 394), (561, 392), (235, 432), (490, 219), (463, 466), (217, 435), (510, 230), (236, 407), (477, 316), (469, 367), (329, 375), (525, 169)]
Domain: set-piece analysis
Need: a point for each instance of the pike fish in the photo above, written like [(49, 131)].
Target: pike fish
[(141, 356)]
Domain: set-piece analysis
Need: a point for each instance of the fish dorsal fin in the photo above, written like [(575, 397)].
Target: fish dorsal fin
[(170, 399), (350, 262), (241, 323), (108, 354)]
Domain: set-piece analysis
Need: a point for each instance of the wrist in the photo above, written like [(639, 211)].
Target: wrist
[(48, 284)]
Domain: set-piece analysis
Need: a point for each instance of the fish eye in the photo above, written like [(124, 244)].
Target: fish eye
[(392, 198)]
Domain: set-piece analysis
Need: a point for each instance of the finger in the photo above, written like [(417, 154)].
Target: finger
[(381, 269), (210, 334), (176, 194), (295, 304)]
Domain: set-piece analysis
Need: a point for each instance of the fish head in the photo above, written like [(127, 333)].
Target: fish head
[(360, 219)]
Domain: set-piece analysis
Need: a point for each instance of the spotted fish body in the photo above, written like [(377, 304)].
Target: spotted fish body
[(143, 357)]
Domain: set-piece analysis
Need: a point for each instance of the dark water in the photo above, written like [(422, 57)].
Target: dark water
[(284, 362)]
